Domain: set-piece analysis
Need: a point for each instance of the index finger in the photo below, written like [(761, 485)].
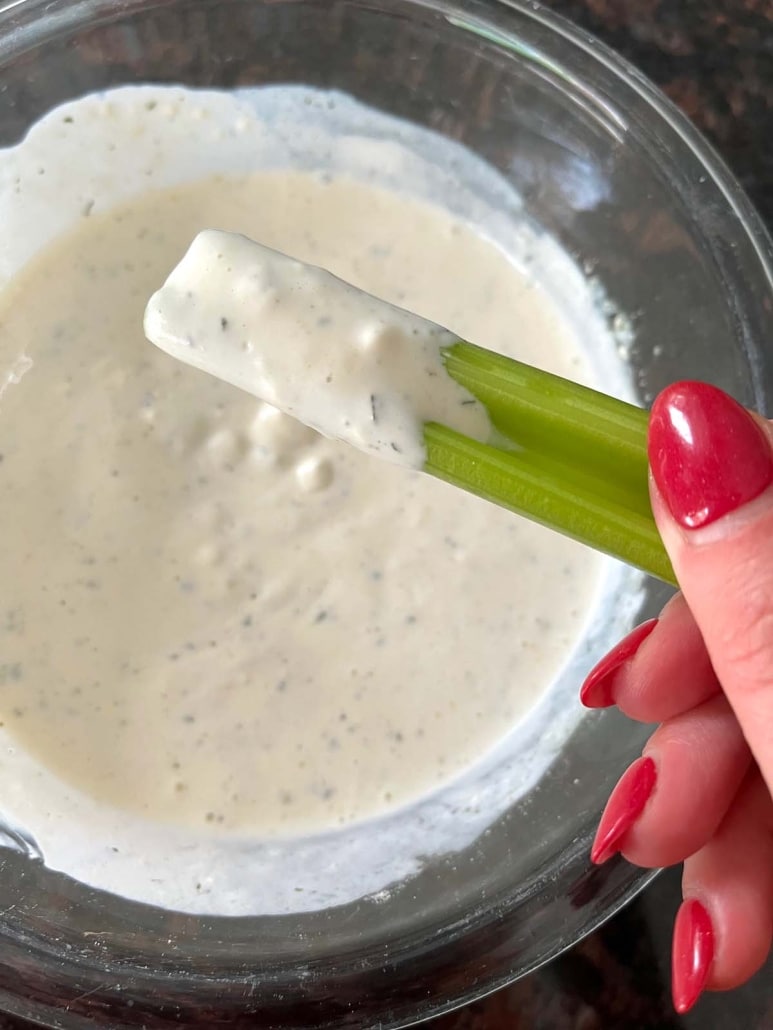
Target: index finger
[(712, 470)]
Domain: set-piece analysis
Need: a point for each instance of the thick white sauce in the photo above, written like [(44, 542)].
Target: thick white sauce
[(219, 615), (344, 362), (225, 629)]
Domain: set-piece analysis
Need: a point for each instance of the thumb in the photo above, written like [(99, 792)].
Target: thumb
[(712, 469)]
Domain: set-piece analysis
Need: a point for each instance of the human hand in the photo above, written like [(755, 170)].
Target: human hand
[(702, 792)]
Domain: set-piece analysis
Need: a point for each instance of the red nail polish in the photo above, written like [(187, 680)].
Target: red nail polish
[(692, 954), (597, 689), (625, 805), (707, 454)]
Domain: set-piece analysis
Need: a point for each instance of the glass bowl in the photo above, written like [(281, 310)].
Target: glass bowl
[(610, 168)]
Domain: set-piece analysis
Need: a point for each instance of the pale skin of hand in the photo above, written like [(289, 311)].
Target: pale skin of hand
[(705, 674)]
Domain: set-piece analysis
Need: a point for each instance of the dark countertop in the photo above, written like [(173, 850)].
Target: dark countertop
[(716, 61), (618, 979)]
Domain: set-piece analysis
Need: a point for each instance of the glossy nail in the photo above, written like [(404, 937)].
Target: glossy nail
[(625, 805), (707, 454), (598, 689), (692, 954)]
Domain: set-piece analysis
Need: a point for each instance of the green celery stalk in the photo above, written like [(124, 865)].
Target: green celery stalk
[(553, 415), (565, 456)]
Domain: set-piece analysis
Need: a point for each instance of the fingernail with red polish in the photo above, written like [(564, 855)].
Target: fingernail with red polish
[(597, 690), (624, 807), (707, 454), (692, 954)]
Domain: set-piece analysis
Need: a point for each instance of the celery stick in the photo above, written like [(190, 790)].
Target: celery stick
[(593, 510), (567, 456), (543, 412)]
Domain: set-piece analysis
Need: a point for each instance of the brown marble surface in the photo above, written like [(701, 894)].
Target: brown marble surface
[(714, 59)]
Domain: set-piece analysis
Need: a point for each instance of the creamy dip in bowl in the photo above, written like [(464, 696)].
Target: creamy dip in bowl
[(281, 725), (228, 634)]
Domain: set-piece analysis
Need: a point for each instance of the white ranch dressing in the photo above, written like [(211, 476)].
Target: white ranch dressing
[(344, 362), (244, 668)]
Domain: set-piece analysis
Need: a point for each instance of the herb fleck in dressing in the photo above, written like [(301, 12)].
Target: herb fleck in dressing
[(220, 618), (344, 362)]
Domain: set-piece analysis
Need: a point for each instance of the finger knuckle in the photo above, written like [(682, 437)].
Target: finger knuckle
[(746, 644)]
